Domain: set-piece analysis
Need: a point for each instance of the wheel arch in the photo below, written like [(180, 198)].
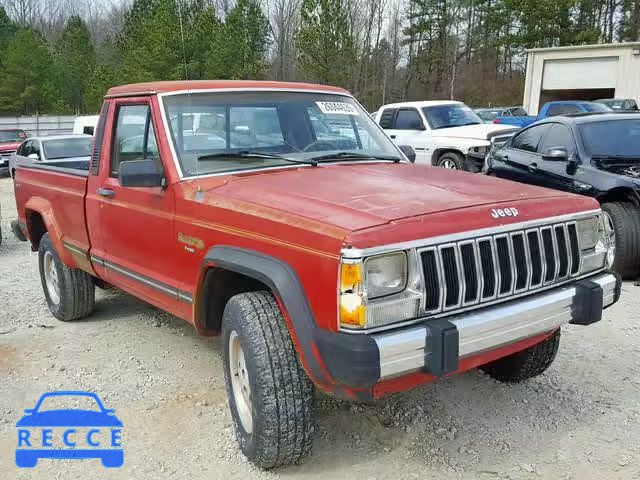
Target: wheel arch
[(620, 194), (438, 152), (257, 271)]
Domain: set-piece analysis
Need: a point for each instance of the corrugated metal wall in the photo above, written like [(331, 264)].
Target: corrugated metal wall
[(40, 125)]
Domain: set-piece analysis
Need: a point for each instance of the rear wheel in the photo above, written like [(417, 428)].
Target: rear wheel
[(526, 364), (70, 293), (452, 161), (271, 399), (624, 219)]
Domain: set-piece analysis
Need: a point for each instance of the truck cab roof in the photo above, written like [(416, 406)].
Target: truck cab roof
[(152, 88)]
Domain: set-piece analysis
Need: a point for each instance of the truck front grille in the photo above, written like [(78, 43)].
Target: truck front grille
[(479, 270)]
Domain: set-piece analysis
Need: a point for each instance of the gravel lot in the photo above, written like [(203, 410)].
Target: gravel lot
[(581, 420)]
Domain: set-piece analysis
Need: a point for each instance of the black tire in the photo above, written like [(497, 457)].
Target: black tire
[(282, 396), (76, 288), (453, 159), (625, 217), (17, 232), (526, 364)]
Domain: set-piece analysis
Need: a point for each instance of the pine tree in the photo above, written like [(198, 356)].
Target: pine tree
[(77, 59), (29, 82), (325, 43)]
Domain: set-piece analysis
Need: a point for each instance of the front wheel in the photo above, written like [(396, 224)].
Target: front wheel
[(452, 161), (623, 221), (526, 364), (70, 293), (271, 399)]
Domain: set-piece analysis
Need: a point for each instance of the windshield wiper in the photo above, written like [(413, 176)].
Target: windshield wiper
[(252, 154), (354, 156)]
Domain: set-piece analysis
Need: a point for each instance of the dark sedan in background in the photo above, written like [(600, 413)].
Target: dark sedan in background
[(597, 155)]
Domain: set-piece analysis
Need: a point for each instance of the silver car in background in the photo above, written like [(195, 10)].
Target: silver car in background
[(61, 149)]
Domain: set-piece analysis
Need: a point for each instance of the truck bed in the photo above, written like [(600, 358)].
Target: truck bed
[(39, 187)]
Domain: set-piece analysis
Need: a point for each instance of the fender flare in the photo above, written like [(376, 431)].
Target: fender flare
[(311, 341), (43, 207), (285, 284)]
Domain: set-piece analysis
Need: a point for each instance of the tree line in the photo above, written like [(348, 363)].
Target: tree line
[(60, 56)]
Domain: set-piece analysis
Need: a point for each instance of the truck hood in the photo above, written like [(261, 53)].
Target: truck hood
[(9, 146), (359, 196), (482, 131)]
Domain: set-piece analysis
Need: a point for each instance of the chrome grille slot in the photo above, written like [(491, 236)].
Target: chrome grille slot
[(505, 264), (449, 257), (470, 269), (537, 263), (574, 248), (431, 280), (522, 261), (563, 252), (479, 270), (489, 271), (549, 254)]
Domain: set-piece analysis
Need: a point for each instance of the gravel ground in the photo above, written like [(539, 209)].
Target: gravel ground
[(581, 420)]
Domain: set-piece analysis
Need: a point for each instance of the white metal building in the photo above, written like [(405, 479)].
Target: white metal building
[(585, 72)]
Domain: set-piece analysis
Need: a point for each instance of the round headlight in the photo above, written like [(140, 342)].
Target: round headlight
[(385, 274)]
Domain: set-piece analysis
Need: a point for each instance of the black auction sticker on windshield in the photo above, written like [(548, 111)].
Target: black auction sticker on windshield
[(341, 108)]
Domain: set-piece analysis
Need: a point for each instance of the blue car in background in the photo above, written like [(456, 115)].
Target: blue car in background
[(39, 420), (553, 109)]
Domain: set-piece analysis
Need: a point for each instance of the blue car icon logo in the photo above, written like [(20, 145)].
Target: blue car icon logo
[(78, 433)]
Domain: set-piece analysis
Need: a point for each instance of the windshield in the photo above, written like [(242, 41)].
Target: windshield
[(67, 148), (451, 115), (209, 129), (619, 104), (617, 138), (488, 115), (596, 107), (7, 136)]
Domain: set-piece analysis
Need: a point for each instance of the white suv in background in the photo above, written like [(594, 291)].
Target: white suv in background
[(443, 133)]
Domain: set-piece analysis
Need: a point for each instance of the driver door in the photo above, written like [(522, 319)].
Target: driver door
[(556, 174), (408, 128), (138, 223), (519, 160)]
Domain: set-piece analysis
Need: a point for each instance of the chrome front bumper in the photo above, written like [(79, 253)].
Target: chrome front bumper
[(488, 328)]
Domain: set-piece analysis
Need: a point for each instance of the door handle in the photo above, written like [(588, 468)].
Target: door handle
[(533, 167), (392, 137), (106, 192)]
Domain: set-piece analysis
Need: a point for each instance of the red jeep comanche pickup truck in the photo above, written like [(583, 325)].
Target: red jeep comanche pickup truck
[(281, 217)]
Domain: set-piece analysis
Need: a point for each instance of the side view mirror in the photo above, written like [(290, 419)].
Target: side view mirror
[(409, 152), (33, 156), (28, 410), (556, 154), (88, 130), (140, 173)]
